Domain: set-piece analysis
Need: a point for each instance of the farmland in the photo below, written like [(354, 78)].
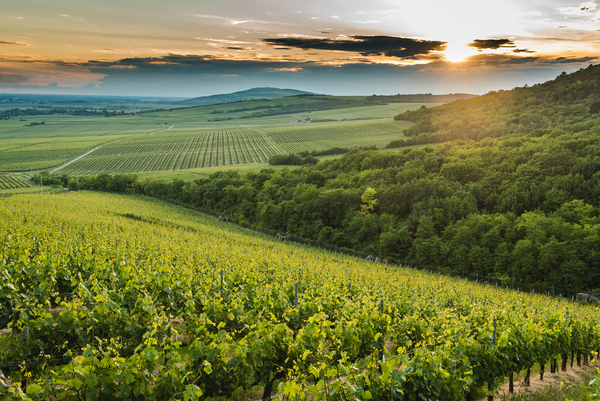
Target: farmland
[(13, 182), (177, 151), (196, 147), (126, 297), (294, 138), (190, 138)]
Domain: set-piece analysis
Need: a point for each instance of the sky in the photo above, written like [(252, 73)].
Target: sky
[(189, 48)]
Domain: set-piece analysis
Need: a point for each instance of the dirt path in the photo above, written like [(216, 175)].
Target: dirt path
[(153, 132), (74, 160), (572, 375)]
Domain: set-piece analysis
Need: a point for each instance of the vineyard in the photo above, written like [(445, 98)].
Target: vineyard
[(116, 297), (189, 146), (9, 181), (295, 138), (177, 150)]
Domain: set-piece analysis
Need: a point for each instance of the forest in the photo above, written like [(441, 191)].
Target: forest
[(509, 190)]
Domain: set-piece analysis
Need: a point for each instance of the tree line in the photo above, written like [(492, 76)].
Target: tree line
[(521, 208)]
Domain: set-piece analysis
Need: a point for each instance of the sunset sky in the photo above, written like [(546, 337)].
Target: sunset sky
[(196, 48)]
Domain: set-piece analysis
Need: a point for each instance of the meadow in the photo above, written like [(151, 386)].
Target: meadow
[(126, 297)]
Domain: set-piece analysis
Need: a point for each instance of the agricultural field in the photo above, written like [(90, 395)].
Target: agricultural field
[(175, 150), (61, 138), (183, 147), (127, 297), (295, 138), (11, 181), (187, 138), (363, 113)]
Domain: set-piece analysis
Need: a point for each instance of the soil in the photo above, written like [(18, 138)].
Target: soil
[(572, 375)]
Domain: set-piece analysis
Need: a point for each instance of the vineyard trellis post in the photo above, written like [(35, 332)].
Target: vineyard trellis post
[(24, 380), (382, 339), (491, 382), (296, 295)]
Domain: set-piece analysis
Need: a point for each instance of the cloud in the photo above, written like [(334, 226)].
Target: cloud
[(72, 16), (581, 10), (4, 42), (290, 69), (366, 22), (107, 51), (491, 43), (523, 51), (15, 17), (235, 21), (227, 41), (390, 46), (571, 60)]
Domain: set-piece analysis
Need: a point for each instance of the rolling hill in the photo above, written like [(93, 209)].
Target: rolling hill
[(249, 94)]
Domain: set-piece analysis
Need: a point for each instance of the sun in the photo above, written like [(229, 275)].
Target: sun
[(457, 52)]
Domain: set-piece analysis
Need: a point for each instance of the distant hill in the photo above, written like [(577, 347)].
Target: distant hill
[(249, 94)]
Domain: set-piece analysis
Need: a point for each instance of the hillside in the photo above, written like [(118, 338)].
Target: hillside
[(563, 102), (249, 94), (127, 297)]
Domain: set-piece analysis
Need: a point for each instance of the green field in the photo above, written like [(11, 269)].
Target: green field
[(183, 148), (12, 181), (127, 297), (188, 138), (294, 138)]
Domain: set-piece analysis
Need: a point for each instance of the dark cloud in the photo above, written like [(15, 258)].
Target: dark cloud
[(390, 46), (523, 51), (570, 60), (4, 42), (491, 43)]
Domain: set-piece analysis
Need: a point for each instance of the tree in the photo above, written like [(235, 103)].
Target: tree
[(369, 201)]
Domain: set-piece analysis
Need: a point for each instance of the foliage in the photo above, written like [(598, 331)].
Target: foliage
[(292, 159), (131, 298)]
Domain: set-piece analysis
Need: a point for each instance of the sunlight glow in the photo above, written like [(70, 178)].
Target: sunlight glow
[(457, 52)]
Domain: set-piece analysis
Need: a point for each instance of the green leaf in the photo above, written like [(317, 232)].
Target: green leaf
[(151, 354), (34, 389), (192, 393), (207, 367)]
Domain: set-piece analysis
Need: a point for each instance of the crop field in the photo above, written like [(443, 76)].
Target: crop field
[(186, 147), (127, 297), (138, 143), (60, 139), (294, 138), (365, 112), (13, 182), (178, 151)]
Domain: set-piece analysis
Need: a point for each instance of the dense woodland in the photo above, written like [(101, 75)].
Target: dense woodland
[(510, 191)]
